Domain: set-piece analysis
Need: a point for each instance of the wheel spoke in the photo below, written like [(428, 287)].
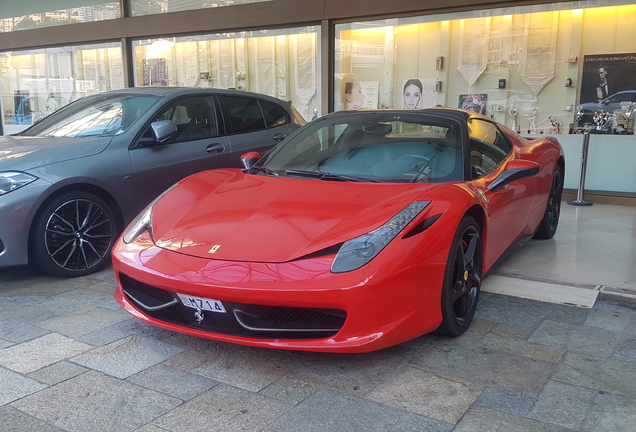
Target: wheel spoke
[(70, 254), (460, 290), (84, 254), (61, 233), (64, 220), (92, 247), (95, 225), (87, 218), (61, 247), (469, 255)]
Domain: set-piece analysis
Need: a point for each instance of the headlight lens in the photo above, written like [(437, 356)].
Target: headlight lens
[(12, 180), (143, 221), (358, 251)]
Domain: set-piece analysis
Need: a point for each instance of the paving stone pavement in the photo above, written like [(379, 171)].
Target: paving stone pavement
[(72, 360)]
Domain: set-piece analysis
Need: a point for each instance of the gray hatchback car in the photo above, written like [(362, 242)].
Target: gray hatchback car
[(71, 182)]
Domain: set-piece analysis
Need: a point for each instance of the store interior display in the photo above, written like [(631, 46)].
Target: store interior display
[(540, 72), (280, 63)]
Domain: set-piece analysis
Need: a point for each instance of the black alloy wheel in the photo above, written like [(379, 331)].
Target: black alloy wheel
[(550, 221), (462, 280), (73, 235)]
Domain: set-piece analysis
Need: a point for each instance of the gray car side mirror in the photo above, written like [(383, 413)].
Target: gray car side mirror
[(163, 129)]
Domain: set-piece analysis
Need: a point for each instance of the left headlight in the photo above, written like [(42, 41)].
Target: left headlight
[(12, 180), (358, 251), (143, 221)]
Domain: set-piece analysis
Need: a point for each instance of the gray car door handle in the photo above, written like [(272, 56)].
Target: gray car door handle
[(279, 137), (215, 148)]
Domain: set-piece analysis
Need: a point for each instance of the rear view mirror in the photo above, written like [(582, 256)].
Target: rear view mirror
[(163, 129), (249, 159)]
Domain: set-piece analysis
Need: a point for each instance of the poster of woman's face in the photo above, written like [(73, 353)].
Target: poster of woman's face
[(412, 94), (353, 96)]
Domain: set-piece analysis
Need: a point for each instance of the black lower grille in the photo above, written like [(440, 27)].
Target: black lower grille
[(289, 315), (131, 284), (241, 319)]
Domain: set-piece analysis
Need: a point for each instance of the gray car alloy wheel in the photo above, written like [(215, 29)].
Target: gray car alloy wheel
[(75, 234)]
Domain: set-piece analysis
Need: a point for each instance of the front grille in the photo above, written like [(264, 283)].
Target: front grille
[(241, 319)]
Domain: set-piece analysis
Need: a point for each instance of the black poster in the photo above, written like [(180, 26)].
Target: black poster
[(607, 74)]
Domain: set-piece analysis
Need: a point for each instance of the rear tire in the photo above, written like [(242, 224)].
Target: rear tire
[(73, 234), (462, 280), (550, 220)]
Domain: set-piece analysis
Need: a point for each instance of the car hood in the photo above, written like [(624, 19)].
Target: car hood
[(229, 215), (23, 153)]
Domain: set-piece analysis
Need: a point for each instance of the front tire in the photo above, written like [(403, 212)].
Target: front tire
[(462, 280), (550, 220), (73, 234)]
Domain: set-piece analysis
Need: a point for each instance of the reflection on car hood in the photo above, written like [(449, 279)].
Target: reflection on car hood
[(23, 153), (229, 215)]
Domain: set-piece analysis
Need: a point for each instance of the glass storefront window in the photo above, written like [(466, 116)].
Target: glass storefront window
[(35, 83), (280, 63), (145, 7), (22, 15), (544, 69)]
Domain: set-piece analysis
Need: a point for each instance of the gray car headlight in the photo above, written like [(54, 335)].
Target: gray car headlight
[(358, 251), (143, 221), (12, 180)]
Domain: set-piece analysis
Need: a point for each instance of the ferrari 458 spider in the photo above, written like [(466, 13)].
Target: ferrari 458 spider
[(362, 230)]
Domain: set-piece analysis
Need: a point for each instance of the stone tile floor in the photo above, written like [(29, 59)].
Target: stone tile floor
[(71, 360)]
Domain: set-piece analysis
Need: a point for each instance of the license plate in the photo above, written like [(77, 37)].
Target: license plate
[(202, 303)]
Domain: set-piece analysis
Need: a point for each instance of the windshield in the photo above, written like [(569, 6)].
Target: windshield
[(370, 146), (93, 116)]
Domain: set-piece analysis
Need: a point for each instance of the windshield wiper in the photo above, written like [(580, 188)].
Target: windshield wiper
[(329, 176), (264, 169)]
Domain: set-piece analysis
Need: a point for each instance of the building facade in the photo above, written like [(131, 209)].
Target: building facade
[(540, 68)]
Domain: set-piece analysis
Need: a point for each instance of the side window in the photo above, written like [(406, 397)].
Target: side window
[(193, 116), (488, 147), (274, 114), (244, 113)]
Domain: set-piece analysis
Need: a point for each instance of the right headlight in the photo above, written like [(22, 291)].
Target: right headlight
[(12, 180), (143, 221)]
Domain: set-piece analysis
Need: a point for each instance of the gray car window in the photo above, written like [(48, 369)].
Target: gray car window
[(193, 116), (274, 114), (244, 113), (90, 117)]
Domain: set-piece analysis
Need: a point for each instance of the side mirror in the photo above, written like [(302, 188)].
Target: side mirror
[(163, 129), (514, 170), (249, 159)]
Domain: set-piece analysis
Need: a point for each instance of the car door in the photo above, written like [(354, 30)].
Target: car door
[(197, 145), (254, 124), (509, 206)]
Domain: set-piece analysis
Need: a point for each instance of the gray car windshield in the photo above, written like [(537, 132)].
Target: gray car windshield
[(370, 147), (94, 116)]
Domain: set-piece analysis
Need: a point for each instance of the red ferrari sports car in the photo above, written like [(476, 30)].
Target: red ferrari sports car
[(362, 230)]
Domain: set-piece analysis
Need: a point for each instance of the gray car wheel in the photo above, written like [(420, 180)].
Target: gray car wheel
[(73, 234)]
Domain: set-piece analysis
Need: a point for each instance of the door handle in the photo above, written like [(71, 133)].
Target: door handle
[(279, 137), (215, 148)]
